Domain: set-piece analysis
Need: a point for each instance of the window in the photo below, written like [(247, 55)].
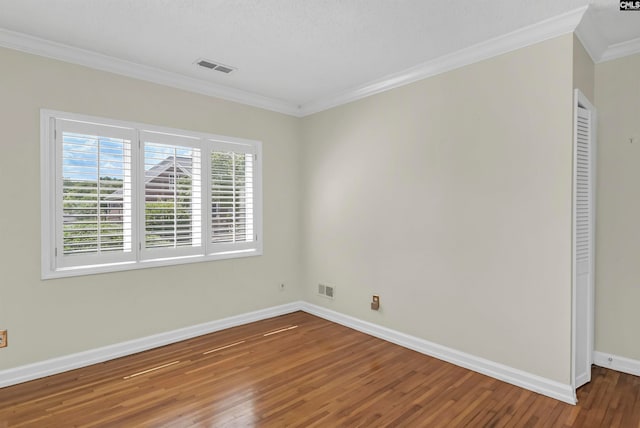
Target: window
[(118, 195)]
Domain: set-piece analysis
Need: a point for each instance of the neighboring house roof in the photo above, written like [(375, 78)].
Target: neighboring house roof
[(183, 165)]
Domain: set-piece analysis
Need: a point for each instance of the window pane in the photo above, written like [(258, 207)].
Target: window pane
[(96, 194), (172, 196), (231, 197)]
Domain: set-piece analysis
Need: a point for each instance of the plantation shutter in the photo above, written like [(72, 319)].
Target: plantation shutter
[(94, 205), (172, 195), (233, 198), (118, 195)]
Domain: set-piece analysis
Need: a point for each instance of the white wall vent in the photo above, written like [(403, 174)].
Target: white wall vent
[(326, 290), (215, 65)]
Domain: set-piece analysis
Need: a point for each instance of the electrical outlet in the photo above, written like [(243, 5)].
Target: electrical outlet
[(375, 302), (3, 338)]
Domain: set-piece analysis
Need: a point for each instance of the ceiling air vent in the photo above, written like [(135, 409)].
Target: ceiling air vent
[(213, 65), (224, 69)]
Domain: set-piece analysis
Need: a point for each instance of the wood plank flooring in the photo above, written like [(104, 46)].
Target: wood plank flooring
[(302, 371)]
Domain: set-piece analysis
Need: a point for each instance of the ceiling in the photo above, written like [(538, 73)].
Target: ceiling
[(290, 54)]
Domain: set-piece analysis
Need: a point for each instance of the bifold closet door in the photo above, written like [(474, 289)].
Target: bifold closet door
[(583, 238)]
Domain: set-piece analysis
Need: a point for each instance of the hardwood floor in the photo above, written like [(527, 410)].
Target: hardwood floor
[(299, 370)]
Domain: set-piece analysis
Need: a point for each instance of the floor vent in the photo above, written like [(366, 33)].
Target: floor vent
[(326, 290), (214, 65)]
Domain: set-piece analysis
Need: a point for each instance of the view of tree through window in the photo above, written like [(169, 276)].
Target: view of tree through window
[(172, 213), (95, 193), (122, 195), (231, 197)]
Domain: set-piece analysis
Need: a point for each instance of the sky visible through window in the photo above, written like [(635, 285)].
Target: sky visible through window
[(87, 156)]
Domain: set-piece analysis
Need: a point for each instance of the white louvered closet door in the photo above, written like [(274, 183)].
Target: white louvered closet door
[(583, 240)]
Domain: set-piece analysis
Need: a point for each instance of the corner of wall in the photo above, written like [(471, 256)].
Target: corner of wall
[(583, 70)]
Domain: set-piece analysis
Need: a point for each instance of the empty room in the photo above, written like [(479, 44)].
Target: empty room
[(323, 213)]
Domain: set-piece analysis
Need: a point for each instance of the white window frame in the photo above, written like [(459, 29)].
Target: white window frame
[(51, 266), (168, 253)]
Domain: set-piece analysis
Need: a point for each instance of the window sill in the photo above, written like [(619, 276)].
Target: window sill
[(144, 264)]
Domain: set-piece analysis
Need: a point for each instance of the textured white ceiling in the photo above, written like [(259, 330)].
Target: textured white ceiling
[(615, 26), (297, 51)]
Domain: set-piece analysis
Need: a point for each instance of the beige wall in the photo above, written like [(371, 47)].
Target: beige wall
[(617, 99), (583, 70), (451, 198), (58, 317)]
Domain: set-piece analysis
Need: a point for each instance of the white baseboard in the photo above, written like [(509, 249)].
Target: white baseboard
[(82, 359), (616, 362), (507, 374), (583, 379), (517, 377)]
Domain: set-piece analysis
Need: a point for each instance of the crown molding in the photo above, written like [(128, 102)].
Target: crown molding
[(37, 46), (580, 20), (596, 44), (526, 36), (590, 36), (620, 50)]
